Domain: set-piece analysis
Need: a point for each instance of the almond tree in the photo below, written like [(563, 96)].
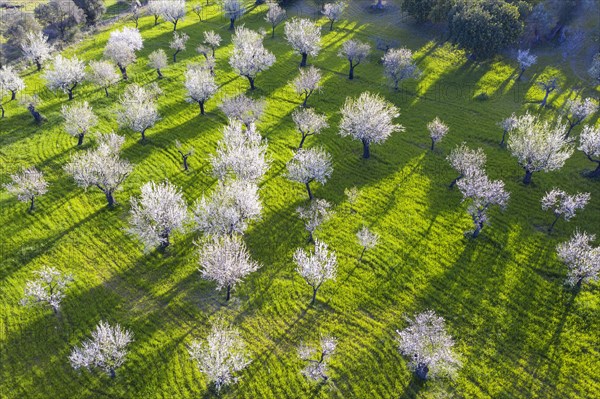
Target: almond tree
[(275, 15), (525, 60), (563, 204), (158, 60), (101, 167), (243, 109), (398, 65), (139, 111), (233, 9), (79, 120), (241, 154), (121, 48), (184, 154), (221, 356), (582, 260), (249, 56), (172, 11), (428, 346), (333, 12), (466, 162), (178, 43), (11, 81), (27, 185), (154, 8), (317, 360), (212, 40), (226, 261), (548, 85), (539, 145), (103, 74), (316, 267), (48, 289), (577, 110), (310, 165), (369, 118), (31, 103), (65, 74), (367, 240), (589, 144), (308, 123), (355, 52), (437, 131), (157, 214), (197, 9), (307, 82), (482, 193), (200, 86), (508, 125), (304, 36), (314, 214), (229, 209), (106, 350), (36, 48)]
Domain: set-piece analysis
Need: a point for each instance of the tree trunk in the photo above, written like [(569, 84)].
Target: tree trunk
[(331, 25), (477, 230), (422, 370), (432, 144), (185, 163), (175, 56), (123, 71), (1, 111), (453, 183), (165, 240), (32, 204), (109, 198), (13, 95), (273, 32), (527, 178), (70, 91), (310, 194), (231, 23), (201, 103), (80, 139), (396, 85), (106, 91), (503, 138), (521, 74), (571, 126), (175, 25), (112, 373), (351, 74), (596, 171), (366, 149), (304, 58), (543, 103), (379, 5), (228, 292), (314, 296), (362, 254), (302, 141), (306, 95), (160, 75), (553, 223), (155, 20), (251, 80), (36, 115), (38, 65), (143, 135)]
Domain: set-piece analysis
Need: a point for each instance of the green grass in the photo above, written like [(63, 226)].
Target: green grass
[(520, 333)]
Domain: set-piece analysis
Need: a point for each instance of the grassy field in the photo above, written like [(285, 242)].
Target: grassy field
[(519, 332)]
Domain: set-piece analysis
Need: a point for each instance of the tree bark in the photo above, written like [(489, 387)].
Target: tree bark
[(160, 75), (13, 95), (123, 71), (1, 111), (36, 115), (362, 254), (109, 198), (422, 370), (306, 95), (477, 230), (273, 31), (112, 373), (432, 144), (553, 223), (596, 171), (70, 91), (302, 141), (304, 58), (453, 183), (143, 135), (228, 292), (80, 139), (185, 163), (571, 126), (351, 74), (543, 103), (314, 296), (38, 65), (201, 103), (503, 138), (175, 56), (310, 194), (32, 204), (231, 23), (155, 20), (366, 149), (251, 80), (106, 91), (175, 25), (527, 178), (521, 74)]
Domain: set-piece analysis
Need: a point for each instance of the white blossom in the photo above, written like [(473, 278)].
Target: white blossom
[(314, 214), (466, 162), (310, 165), (106, 350), (65, 74), (101, 167), (437, 131), (398, 65), (241, 154), (36, 48), (539, 145), (158, 60), (316, 267), (103, 74), (121, 48), (157, 214), (333, 11), (171, 11), (79, 120), (27, 185), (138, 110), (275, 15), (428, 346), (233, 9), (508, 125), (369, 118), (525, 60), (589, 144), (577, 110), (11, 81), (317, 360), (563, 204), (249, 56), (221, 356), (229, 209), (307, 82), (178, 43), (304, 36), (200, 86), (355, 52), (47, 289), (226, 261), (212, 40), (351, 194), (582, 260), (367, 239), (243, 109), (308, 123)]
